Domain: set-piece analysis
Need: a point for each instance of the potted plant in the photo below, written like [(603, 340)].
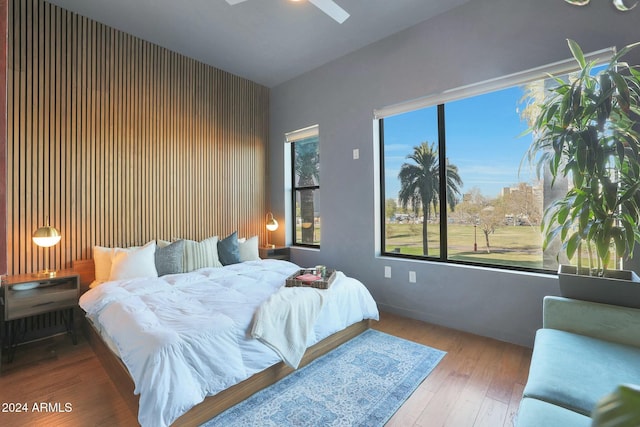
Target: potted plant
[(587, 130)]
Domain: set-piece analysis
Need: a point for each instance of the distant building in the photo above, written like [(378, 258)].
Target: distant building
[(537, 190)]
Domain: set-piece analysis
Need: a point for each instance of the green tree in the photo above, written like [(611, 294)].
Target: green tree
[(307, 168), (390, 208), (420, 184)]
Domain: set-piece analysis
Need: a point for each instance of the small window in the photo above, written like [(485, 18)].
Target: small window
[(305, 183)]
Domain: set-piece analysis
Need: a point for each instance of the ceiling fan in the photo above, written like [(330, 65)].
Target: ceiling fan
[(327, 6)]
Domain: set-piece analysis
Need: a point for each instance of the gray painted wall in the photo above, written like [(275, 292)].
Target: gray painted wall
[(475, 42)]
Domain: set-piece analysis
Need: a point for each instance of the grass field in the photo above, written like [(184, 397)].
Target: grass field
[(510, 245), (519, 246)]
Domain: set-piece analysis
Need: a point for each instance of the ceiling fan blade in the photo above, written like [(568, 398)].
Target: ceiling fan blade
[(233, 2), (331, 8)]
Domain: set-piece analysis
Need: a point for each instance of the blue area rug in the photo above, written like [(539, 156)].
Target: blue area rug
[(361, 383)]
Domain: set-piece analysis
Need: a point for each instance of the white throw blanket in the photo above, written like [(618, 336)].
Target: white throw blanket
[(286, 320)]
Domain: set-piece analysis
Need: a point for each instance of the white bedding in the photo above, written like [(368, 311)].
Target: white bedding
[(186, 336)]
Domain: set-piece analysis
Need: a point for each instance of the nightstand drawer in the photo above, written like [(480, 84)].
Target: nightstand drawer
[(276, 252), (35, 301)]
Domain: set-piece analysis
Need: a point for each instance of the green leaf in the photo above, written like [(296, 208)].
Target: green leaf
[(585, 214), (622, 52), (603, 242), (572, 244), (629, 193), (605, 84), (581, 155), (610, 190), (620, 151), (624, 97), (566, 112), (563, 214), (619, 241), (576, 51), (578, 179), (550, 236), (576, 97)]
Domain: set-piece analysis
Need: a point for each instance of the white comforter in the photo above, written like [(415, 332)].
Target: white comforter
[(184, 337)]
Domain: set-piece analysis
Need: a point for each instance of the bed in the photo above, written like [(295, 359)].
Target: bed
[(179, 347)]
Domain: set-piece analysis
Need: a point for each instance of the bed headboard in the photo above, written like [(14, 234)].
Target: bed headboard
[(86, 270)]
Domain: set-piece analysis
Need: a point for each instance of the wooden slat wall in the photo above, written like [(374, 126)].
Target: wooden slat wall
[(3, 135), (120, 141)]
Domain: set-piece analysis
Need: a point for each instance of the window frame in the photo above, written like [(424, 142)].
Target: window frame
[(292, 138), (440, 100)]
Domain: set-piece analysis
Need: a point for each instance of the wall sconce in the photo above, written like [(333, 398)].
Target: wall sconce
[(46, 237), (272, 225), (619, 4)]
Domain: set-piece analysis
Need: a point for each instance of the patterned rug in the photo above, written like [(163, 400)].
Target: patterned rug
[(361, 383)]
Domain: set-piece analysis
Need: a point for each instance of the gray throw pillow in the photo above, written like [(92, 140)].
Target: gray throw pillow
[(169, 258), (228, 250)]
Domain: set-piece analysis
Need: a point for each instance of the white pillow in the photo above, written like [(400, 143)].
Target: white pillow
[(102, 260), (248, 249), (200, 254), (129, 264)]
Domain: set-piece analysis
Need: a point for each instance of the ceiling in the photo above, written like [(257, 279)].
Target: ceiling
[(267, 41)]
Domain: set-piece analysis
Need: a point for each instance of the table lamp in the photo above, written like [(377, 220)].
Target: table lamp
[(46, 237), (272, 225)]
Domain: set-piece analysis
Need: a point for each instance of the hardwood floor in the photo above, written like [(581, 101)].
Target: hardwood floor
[(478, 383)]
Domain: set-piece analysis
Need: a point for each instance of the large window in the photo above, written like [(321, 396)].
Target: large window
[(455, 186), (305, 180)]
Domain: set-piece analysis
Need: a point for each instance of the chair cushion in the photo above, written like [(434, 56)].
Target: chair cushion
[(575, 371), (536, 413)]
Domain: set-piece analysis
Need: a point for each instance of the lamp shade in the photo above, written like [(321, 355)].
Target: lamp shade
[(46, 236), (272, 224)]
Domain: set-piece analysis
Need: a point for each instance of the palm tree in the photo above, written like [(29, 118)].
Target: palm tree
[(420, 184), (307, 169)]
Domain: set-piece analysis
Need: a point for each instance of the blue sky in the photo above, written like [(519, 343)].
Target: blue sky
[(483, 140)]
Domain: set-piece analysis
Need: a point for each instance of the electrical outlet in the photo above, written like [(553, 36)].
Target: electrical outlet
[(356, 154), (412, 277), (387, 272)]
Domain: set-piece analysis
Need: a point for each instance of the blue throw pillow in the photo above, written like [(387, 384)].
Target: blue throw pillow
[(169, 258), (228, 250)]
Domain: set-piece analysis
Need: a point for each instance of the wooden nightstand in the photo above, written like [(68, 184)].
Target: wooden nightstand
[(279, 252), (27, 295)]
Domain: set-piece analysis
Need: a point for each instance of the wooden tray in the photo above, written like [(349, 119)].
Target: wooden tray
[(322, 283)]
